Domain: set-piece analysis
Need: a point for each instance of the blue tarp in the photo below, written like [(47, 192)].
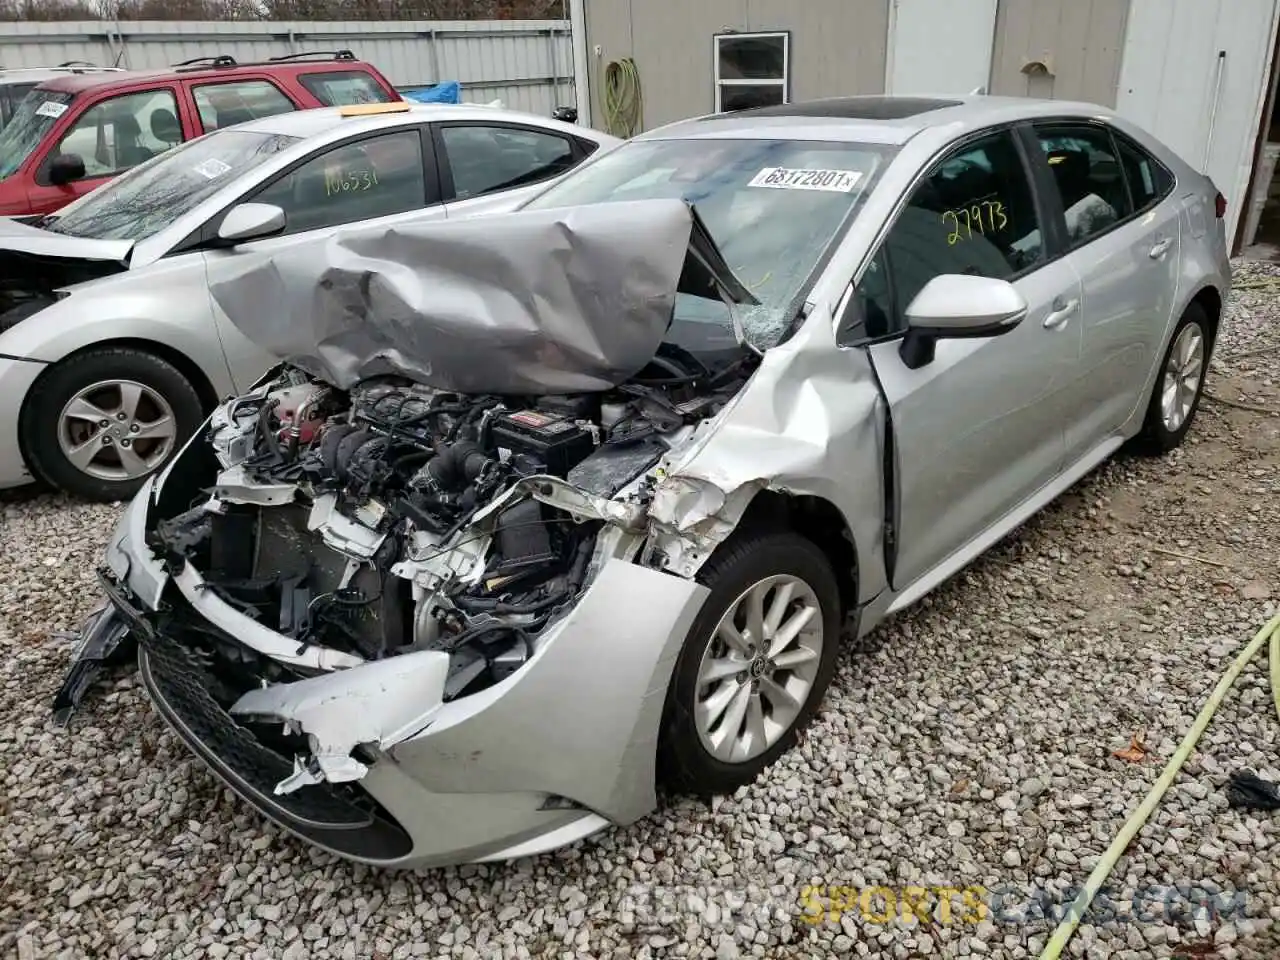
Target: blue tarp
[(446, 91)]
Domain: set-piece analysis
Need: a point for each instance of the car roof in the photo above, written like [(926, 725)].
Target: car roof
[(884, 120), (41, 74), (81, 82), (320, 121)]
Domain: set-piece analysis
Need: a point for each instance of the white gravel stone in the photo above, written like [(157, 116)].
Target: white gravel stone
[(968, 743)]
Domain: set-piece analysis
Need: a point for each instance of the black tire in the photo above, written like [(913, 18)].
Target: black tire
[(39, 423), (684, 763), (1155, 437)]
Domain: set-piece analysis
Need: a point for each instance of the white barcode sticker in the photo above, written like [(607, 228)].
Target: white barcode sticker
[(51, 108), (212, 168), (785, 178)]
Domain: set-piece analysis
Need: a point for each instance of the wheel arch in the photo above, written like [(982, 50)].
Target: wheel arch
[(1209, 299), (817, 520), (171, 355)]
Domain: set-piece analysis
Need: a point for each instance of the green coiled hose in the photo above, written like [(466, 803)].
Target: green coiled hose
[(623, 105)]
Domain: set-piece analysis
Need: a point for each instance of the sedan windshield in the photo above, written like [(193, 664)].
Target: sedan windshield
[(151, 196), (38, 111), (774, 208)]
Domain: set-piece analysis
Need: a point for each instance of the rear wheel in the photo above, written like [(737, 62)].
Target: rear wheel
[(97, 425), (756, 663), (1180, 383)]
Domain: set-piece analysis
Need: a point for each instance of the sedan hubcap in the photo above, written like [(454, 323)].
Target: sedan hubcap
[(116, 430), (1182, 377), (759, 668)]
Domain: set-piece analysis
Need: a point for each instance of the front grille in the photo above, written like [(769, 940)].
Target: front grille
[(181, 680), (179, 684)]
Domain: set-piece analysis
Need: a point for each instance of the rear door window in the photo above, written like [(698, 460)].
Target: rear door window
[(1149, 182), (485, 159), (1083, 161), (226, 104), (340, 88), (123, 131)]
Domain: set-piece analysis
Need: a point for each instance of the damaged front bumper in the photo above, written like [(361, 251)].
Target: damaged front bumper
[(394, 774)]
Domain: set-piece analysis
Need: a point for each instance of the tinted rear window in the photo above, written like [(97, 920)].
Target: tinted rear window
[(340, 88)]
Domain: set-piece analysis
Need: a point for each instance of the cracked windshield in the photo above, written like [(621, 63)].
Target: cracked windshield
[(773, 208), (36, 113), (151, 196)]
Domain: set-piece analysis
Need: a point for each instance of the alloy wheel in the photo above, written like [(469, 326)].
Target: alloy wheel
[(759, 668), (1182, 374), (116, 430)]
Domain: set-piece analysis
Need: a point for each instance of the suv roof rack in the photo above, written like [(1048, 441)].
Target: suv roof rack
[(224, 60), (200, 63), (328, 54), (70, 66)]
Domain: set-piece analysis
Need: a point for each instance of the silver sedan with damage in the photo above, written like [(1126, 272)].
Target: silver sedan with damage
[(111, 350), (545, 510)]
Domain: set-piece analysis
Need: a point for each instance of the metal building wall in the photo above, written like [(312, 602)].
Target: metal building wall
[(528, 64), (1196, 74), (1080, 44), (837, 47)]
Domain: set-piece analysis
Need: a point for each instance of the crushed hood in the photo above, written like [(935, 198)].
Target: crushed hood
[(22, 238), (531, 302), (37, 260)]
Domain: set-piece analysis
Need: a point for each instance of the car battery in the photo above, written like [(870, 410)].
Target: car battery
[(556, 443)]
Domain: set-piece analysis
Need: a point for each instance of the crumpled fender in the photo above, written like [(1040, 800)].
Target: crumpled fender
[(579, 720), (809, 422)]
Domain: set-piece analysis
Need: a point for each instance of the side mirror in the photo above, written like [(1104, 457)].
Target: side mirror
[(251, 221), (66, 168), (957, 305)]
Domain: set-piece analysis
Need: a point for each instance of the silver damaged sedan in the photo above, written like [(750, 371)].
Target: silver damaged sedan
[(542, 511)]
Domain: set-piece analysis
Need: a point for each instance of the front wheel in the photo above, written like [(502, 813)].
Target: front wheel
[(98, 424), (756, 663), (1179, 385)]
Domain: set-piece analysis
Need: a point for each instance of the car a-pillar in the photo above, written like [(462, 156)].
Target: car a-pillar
[(98, 422), (761, 653)]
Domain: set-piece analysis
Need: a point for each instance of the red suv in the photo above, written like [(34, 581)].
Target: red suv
[(74, 133)]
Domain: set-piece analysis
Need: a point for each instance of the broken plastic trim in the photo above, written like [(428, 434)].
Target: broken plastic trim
[(253, 634), (380, 703)]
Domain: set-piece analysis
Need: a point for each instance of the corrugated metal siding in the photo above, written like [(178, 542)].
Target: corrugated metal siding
[(1080, 41), (837, 47), (528, 64), (1169, 84)]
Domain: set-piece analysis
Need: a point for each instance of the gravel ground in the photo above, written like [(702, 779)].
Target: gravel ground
[(967, 744)]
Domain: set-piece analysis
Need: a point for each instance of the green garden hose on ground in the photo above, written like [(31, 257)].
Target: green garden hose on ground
[(1270, 632), (623, 106)]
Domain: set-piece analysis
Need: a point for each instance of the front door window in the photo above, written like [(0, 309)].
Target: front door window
[(124, 131)]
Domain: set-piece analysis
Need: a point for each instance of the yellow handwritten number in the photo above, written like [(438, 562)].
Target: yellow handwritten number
[(985, 217), (954, 235), (356, 181)]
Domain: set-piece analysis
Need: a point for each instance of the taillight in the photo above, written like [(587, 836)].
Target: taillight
[(1219, 205)]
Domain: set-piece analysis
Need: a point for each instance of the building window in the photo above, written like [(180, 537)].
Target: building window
[(751, 70)]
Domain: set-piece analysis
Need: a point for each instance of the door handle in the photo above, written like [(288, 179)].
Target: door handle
[(1161, 248), (1061, 313)]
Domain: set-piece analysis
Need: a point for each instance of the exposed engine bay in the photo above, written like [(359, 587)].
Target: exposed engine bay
[(397, 518)]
